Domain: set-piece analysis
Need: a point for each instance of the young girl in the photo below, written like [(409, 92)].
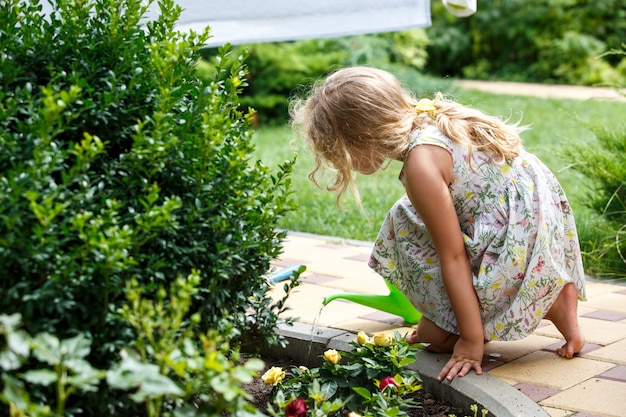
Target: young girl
[(484, 242)]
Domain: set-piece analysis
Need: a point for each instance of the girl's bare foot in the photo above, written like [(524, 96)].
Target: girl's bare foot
[(563, 315)]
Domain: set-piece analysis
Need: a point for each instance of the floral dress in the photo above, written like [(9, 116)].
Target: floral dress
[(519, 235)]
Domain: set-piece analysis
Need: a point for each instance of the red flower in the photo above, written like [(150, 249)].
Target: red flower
[(296, 408), (387, 381)]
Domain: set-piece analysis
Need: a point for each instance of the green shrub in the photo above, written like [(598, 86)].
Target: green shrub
[(118, 162), (546, 41)]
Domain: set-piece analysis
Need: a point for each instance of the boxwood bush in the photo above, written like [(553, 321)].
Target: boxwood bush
[(118, 162)]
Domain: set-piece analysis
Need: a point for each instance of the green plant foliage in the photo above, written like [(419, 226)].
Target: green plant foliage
[(168, 370), (118, 162), (65, 368), (605, 165), (557, 41)]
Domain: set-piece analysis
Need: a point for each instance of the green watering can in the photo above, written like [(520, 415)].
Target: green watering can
[(394, 303)]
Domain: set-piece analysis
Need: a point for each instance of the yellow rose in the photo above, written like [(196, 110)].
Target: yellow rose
[(382, 339), (353, 414), (303, 369), (332, 356), (362, 338), (273, 376)]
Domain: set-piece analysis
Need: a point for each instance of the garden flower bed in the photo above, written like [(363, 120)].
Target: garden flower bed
[(370, 379)]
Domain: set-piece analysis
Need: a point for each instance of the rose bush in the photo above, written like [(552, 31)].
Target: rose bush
[(370, 380)]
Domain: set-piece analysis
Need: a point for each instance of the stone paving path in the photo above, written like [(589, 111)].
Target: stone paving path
[(545, 90)]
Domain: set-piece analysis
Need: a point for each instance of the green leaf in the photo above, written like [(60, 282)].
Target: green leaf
[(329, 389), (76, 347), (254, 364), (406, 361), (43, 377), (363, 392), (46, 348), (19, 343), (154, 386)]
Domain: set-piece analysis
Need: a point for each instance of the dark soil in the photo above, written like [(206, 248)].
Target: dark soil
[(430, 406)]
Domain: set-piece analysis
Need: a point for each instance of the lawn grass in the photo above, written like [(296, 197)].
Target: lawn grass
[(556, 124)]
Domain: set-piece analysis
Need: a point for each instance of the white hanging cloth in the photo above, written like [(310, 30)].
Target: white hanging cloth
[(251, 21)]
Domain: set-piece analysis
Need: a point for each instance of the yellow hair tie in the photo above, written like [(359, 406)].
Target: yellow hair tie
[(425, 106)]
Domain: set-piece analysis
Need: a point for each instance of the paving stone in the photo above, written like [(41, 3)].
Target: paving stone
[(599, 287), (601, 397), (556, 412), (319, 279), (363, 257), (550, 370), (509, 381), (509, 351), (611, 301), (363, 284), (606, 315), (383, 317), (615, 374), (536, 392), (336, 312)]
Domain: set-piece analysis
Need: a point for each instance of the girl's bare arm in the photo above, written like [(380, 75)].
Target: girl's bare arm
[(428, 173)]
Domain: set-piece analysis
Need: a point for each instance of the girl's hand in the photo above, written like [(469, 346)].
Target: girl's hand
[(465, 357)]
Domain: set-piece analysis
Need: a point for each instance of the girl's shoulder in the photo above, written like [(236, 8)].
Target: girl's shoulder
[(430, 135)]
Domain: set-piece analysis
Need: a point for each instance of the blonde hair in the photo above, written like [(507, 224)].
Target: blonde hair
[(364, 113)]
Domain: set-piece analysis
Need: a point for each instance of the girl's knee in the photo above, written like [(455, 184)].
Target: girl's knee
[(439, 340)]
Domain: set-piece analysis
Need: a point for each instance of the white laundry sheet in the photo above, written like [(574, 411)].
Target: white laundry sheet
[(251, 21)]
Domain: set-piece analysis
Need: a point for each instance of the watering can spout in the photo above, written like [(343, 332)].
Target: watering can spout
[(394, 303)]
